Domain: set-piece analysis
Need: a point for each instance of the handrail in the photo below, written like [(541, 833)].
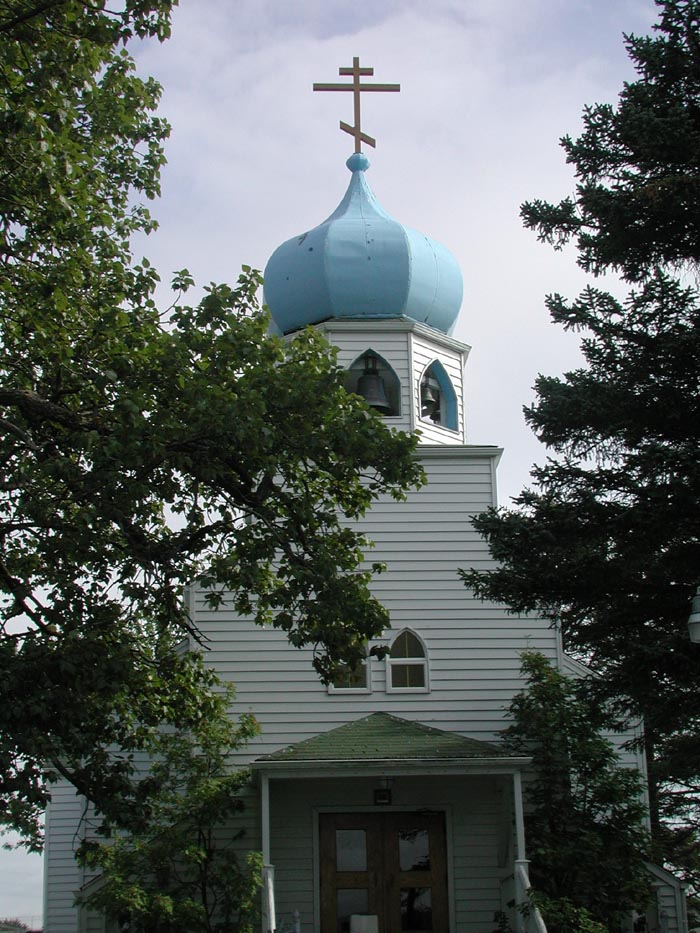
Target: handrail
[(533, 918)]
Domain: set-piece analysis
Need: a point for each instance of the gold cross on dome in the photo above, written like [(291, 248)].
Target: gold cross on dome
[(357, 87)]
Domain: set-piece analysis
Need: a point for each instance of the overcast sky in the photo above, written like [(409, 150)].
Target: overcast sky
[(487, 89)]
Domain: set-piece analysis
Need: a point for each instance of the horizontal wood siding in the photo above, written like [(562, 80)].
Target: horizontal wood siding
[(392, 347), (95, 923), (408, 352), (667, 909), (473, 647), (473, 650), (425, 353), (668, 914), (64, 876)]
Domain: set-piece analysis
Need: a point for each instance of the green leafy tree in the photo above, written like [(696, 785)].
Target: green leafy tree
[(145, 449), (585, 813), (607, 540), (181, 872), (563, 916)]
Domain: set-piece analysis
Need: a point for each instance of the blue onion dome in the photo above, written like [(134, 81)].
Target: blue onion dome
[(360, 263)]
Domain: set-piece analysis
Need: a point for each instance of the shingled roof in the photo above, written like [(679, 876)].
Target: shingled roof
[(385, 737)]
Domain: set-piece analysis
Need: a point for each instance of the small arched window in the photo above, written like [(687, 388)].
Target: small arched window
[(373, 378), (407, 663), (438, 399)]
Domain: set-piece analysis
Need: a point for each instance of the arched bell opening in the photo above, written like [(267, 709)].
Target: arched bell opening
[(371, 377), (438, 399)]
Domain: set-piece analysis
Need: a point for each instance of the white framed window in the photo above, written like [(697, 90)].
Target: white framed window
[(407, 665), (357, 680)]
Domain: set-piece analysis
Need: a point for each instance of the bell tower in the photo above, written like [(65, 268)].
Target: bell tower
[(385, 295)]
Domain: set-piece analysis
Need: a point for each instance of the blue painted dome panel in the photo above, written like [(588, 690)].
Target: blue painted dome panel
[(295, 282), (367, 267), (437, 290), (361, 263)]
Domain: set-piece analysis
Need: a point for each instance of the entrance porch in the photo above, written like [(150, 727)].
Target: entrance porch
[(389, 825)]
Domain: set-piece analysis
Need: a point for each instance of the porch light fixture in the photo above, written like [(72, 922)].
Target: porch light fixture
[(694, 619)]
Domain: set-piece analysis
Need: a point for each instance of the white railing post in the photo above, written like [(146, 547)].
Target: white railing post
[(522, 883), (269, 918)]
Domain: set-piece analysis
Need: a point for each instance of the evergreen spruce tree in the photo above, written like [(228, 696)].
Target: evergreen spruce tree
[(607, 540)]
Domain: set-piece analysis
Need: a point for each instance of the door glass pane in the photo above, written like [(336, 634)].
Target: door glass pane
[(416, 909), (350, 901), (414, 850), (350, 850)]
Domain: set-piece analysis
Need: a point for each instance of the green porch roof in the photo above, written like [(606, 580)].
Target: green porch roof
[(385, 737)]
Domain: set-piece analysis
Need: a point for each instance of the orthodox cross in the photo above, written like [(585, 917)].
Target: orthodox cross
[(357, 87)]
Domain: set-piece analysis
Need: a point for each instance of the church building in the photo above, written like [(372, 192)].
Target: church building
[(384, 802)]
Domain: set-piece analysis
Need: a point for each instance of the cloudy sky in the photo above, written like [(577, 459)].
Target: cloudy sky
[(487, 89)]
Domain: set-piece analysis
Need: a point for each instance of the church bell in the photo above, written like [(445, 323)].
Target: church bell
[(430, 399), (371, 386)]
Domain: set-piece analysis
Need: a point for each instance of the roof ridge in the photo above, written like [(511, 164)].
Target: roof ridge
[(383, 735)]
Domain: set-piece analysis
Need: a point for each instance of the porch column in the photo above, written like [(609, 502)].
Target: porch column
[(519, 817), (521, 864), (265, 817), (269, 913)]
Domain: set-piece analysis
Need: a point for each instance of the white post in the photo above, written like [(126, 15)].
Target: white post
[(519, 817), (269, 918), (520, 860), (521, 885), (532, 919), (265, 817)]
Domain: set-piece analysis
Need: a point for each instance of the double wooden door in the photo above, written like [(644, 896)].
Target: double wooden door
[(390, 865)]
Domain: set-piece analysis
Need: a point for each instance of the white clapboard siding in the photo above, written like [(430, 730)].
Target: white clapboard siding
[(426, 352), (93, 922), (391, 345), (473, 653), (64, 877), (473, 648), (669, 914), (408, 348)]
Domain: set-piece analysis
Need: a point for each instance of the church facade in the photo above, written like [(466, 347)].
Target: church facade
[(384, 802)]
